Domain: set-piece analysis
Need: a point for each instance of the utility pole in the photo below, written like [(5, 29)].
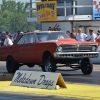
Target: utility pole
[(0, 3), (30, 15)]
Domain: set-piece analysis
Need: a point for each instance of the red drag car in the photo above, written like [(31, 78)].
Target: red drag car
[(47, 48)]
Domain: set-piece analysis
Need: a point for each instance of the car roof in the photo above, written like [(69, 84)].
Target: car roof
[(42, 32), (48, 31)]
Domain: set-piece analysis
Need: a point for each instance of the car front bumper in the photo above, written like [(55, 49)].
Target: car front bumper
[(75, 55)]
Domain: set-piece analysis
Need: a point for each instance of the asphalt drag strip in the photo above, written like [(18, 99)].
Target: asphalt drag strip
[(20, 96), (79, 91)]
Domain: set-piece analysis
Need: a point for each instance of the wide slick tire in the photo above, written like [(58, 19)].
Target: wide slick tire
[(49, 66), (11, 65), (86, 66)]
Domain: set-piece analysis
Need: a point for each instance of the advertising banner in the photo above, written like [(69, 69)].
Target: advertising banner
[(96, 9), (46, 11)]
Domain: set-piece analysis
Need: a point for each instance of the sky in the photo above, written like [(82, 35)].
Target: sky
[(20, 0), (23, 1), (28, 1)]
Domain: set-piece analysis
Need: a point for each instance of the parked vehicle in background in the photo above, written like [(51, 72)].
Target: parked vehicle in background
[(47, 49)]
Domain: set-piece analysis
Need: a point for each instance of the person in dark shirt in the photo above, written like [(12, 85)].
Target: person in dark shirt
[(68, 33), (73, 34), (2, 38), (17, 36)]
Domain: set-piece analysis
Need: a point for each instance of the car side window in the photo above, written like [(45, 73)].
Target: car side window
[(21, 41), (28, 38), (33, 38)]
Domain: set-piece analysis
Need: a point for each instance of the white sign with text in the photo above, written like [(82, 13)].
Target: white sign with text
[(38, 79)]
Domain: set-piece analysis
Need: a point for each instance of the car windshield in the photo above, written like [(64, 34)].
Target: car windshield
[(51, 36)]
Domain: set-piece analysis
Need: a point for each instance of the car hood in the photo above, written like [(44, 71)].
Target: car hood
[(70, 41)]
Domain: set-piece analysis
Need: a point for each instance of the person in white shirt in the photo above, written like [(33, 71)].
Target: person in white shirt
[(80, 36), (91, 36), (7, 41), (98, 35)]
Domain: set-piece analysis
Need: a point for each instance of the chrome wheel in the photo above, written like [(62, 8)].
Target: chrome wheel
[(48, 67)]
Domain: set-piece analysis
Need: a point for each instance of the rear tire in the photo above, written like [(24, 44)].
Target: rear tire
[(49, 65), (11, 65), (86, 66)]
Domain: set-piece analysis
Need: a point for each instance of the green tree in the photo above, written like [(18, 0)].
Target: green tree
[(13, 17)]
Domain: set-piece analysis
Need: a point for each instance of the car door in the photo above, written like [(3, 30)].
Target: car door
[(9, 50), (28, 49), (6, 51)]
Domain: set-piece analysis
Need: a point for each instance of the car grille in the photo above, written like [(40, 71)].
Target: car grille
[(77, 47)]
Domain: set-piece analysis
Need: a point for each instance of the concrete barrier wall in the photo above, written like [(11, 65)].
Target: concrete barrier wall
[(6, 76)]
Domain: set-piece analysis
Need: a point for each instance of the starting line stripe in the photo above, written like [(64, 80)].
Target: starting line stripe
[(83, 91)]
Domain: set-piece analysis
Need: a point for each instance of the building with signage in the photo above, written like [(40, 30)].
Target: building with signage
[(66, 14)]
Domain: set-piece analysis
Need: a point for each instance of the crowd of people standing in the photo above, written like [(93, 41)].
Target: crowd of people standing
[(6, 38), (80, 36)]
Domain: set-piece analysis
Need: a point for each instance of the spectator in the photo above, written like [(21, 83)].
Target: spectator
[(81, 36), (7, 41), (11, 37), (2, 38), (17, 36), (68, 33), (73, 34), (98, 35), (91, 36), (21, 32)]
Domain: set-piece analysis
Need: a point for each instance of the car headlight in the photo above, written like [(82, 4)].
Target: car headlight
[(59, 48), (93, 48)]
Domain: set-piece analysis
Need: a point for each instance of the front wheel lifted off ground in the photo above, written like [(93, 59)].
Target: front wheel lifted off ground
[(49, 65), (11, 65), (86, 66)]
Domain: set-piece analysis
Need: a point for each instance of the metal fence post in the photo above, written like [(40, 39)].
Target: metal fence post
[(65, 8), (73, 9), (30, 12)]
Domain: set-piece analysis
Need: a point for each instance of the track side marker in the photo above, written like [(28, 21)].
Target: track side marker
[(33, 79)]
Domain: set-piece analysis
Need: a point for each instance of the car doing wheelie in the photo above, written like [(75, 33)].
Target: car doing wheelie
[(47, 49)]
